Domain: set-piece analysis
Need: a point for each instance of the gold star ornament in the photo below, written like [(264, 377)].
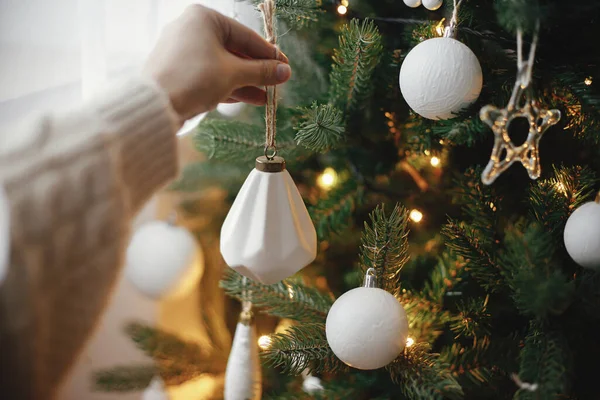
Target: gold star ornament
[(505, 153), (520, 105)]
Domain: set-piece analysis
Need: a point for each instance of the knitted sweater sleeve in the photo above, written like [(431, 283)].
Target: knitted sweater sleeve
[(72, 182)]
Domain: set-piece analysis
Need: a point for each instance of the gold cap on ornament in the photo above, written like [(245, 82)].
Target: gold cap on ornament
[(270, 164)]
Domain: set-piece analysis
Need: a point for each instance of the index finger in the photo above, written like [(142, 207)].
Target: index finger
[(243, 40)]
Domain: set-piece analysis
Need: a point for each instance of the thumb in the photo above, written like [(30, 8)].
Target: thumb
[(262, 72)]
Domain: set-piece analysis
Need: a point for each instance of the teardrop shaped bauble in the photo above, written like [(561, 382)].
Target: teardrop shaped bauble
[(243, 380), (268, 234)]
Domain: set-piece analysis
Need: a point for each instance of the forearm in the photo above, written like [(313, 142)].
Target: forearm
[(73, 181)]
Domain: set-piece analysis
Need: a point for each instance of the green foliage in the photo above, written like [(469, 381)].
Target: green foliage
[(287, 299), (359, 52), (124, 379), (513, 14), (302, 347), (333, 214), (298, 13), (321, 129), (385, 246), (538, 286), (201, 175), (473, 319), (423, 376), (235, 141), (545, 361), (553, 200)]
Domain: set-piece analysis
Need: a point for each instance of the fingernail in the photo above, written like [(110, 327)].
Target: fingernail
[(282, 57), (284, 72)]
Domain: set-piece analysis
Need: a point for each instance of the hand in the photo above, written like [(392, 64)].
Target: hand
[(204, 58)]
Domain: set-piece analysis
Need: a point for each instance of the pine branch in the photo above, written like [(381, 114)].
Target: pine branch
[(426, 319), (302, 347), (553, 200), (545, 361), (333, 214), (514, 14), (466, 242), (422, 375), (288, 299), (233, 141), (322, 128), (298, 13), (177, 360), (359, 52), (203, 174), (385, 246), (473, 319), (124, 378), (538, 286)]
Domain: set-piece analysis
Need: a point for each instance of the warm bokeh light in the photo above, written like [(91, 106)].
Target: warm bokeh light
[(439, 28), (290, 292), (344, 3), (561, 188), (493, 206), (435, 161), (410, 341), (342, 9), (327, 179), (416, 215), (588, 81), (264, 342)]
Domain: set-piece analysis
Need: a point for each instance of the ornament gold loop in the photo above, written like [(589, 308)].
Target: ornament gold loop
[(272, 156)]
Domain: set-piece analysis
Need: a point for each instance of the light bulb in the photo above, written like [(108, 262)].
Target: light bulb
[(327, 179), (409, 341), (342, 9), (588, 81), (264, 342), (435, 161), (416, 215)]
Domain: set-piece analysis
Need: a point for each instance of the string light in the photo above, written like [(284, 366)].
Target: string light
[(290, 292), (435, 161), (493, 206), (264, 342), (344, 3), (588, 81), (439, 28), (327, 179), (342, 9), (427, 152), (416, 216), (560, 187), (409, 341)]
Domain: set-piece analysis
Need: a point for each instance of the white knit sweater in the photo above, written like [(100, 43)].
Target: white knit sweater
[(73, 181)]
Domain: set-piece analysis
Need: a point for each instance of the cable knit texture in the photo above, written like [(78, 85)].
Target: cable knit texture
[(73, 181)]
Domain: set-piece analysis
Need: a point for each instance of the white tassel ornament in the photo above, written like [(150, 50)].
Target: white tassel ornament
[(243, 378)]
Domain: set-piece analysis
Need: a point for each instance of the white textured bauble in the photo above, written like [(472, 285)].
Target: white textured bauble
[(440, 77), (163, 260), (412, 3), (230, 109), (243, 379), (366, 328), (268, 235), (155, 391), (582, 235), (4, 233), (432, 4)]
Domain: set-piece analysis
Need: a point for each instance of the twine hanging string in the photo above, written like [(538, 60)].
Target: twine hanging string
[(524, 67), (268, 10), (246, 314), (450, 30)]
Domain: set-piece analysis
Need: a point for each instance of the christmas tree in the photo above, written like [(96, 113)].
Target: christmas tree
[(496, 306)]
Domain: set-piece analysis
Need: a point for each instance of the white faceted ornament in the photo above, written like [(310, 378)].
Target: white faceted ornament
[(366, 328), (582, 235), (155, 391), (440, 77), (243, 380), (432, 5), (268, 234), (230, 109), (163, 260), (4, 234), (412, 3)]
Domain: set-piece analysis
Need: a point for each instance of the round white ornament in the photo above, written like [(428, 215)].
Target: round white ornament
[(432, 4), (4, 234), (163, 260), (412, 3), (440, 77), (230, 109), (582, 235), (367, 327)]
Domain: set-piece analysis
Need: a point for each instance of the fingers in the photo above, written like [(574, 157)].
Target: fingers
[(243, 40), (250, 95), (261, 72)]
